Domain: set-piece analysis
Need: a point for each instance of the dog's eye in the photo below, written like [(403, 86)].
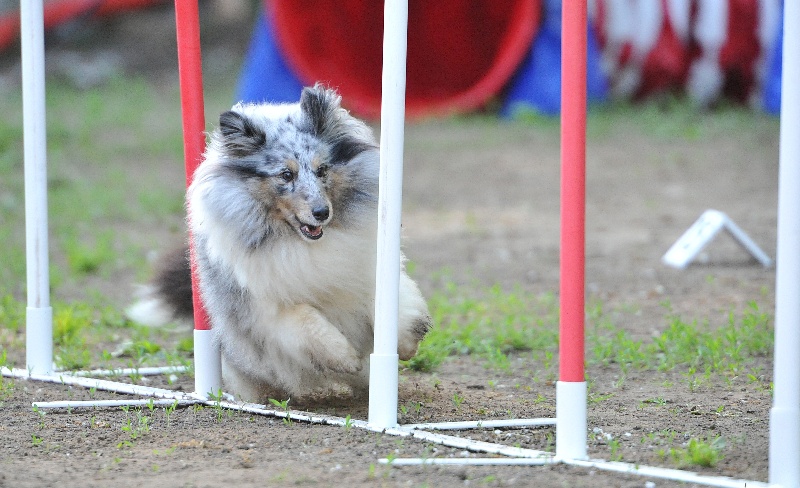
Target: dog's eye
[(286, 175), (322, 171)]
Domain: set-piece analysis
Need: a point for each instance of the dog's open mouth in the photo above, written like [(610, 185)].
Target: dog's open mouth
[(312, 232)]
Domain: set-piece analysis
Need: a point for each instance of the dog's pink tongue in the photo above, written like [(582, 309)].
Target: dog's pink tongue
[(312, 230)]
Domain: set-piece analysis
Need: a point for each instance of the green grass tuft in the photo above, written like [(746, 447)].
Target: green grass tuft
[(493, 323), (699, 452), (12, 313), (489, 324)]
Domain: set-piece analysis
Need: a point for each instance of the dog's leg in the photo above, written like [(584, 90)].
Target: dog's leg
[(414, 320), (359, 382), (249, 389), (311, 337), (244, 388)]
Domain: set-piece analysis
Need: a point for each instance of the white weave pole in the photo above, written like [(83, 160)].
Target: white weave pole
[(784, 439), (383, 377), (39, 314)]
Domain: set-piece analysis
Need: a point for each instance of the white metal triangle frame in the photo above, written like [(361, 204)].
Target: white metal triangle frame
[(571, 411), (702, 232)]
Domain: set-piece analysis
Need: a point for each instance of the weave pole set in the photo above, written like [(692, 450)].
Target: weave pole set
[(571, 411)]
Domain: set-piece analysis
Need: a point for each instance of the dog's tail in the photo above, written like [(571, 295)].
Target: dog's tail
[(168, 297)]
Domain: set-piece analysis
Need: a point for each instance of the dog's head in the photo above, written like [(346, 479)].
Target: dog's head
[(302, 166)]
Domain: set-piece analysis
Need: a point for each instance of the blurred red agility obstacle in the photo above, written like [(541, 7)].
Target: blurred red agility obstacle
[(460, 53)]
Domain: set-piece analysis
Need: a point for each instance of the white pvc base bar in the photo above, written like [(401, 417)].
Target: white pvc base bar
[(146, 371), (517, 455), (467, 461), (207, 364), (98, 384), (571, 430), (626, 468), (70, 404), (482, 424), (665, 473)]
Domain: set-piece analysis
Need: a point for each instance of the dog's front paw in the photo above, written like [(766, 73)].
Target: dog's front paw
[(415, 320), (321, 344), (339, 356), (410, 337)]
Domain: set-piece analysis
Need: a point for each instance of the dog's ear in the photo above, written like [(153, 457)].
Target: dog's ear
[(321, 106), (331, 123), (239, 135)]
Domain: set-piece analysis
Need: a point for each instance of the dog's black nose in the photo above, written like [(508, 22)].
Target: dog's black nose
[(321, 213)]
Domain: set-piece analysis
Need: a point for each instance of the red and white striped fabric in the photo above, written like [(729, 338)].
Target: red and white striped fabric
[(709, 48)]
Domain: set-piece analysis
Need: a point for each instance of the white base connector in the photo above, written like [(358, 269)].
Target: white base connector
[(784, 442), (207, 365), (383, 381), (39, 340), (571, 430)]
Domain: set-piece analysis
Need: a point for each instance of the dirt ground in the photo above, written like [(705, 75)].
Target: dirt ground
[(481, 201)]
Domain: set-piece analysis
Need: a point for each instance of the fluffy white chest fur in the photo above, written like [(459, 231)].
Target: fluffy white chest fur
[(335, 275)]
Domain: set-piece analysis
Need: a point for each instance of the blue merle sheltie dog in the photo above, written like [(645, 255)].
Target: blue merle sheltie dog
[(283, 213)]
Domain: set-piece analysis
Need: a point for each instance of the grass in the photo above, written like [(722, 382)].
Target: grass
[(494, 324), (489, 325), (143, 346), (458, 399), (670, 118), (88, 257), (115, 167), (135, 426), (91, 200), (283, 405), (12, 316), (89, 334), (98, 191), (6, 390), (705, 452), (87, 196), (694, 345), (109, 156)]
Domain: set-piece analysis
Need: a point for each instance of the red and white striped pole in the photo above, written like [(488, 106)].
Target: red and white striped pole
[(571, 387), (207, 369)]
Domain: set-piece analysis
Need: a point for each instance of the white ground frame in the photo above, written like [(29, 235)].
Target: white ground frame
[(784, 458)]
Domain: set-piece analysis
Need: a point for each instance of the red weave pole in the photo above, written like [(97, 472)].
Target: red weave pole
[(573, 190), (190, 68)]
